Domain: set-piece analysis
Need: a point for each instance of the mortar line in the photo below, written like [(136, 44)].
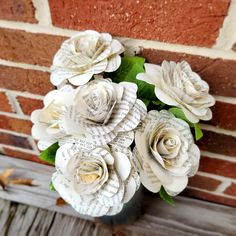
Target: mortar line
[(218, 156), (22, 94), (217, 130), (227, 35), (42, 12), (212, 192), (6, 131), (18, 149), (14, 115)]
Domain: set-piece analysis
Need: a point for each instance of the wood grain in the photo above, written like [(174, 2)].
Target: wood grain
[(23, 220), (187, 218), (40, 195)]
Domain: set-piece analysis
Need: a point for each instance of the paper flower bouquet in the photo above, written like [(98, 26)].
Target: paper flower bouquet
[(114, 122)]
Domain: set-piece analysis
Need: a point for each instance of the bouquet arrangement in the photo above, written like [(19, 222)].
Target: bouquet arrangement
[(114, 122)]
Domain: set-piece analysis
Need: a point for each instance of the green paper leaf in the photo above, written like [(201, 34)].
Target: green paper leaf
[(51, 186), (177, 112), (128, 70), (145, 101), (165, 196), (49, 154), (198, 132), (159, 103)]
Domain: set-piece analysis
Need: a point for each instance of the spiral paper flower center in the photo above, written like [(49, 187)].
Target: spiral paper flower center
[(165, 142), (88, 172), (96, 102)]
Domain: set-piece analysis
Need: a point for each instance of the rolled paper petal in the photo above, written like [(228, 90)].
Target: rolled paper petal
[(176, 186), (130, 190), (123, 139), (122, 165), (35, 115), (80, 79), (150, 182), (113, 64), (43, 145)]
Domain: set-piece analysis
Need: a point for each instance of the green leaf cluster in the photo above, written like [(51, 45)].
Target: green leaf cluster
[(165, 196), (130, 67), (177, 112), (49, 154), (128, 70)]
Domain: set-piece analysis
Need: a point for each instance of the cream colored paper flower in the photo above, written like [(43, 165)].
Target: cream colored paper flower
[(46, 121), (84, 55), (96, 182), (104, 112), (177, 85), (165, 153)]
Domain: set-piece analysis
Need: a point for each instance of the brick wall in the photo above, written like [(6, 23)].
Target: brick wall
[(200, 32)]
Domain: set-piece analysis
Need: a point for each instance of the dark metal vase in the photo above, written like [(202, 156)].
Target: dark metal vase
[(128, 215)]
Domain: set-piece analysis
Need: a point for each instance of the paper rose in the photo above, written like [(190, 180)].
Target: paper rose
[(96, 182), (177, 85), (46, 121), (166, 152), (104, 111), (84, 55)]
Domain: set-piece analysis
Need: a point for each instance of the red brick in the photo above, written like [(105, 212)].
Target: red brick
[(224, 116), (220, 74), (203, 182), (17, 10), (14, 124), (231, 190), (22, 46), (28, 105), (210, 197), (4, 103), (192, 22), (22, 155), (32, 81), (218, 143), (218, 167), (14, 140)]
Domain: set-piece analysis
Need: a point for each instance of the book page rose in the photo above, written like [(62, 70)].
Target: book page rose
[(177, 85), (46, 121), (104, 112), (96, 182), (84, 55), (165, 153)]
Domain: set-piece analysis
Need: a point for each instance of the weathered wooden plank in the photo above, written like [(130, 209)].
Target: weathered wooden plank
[(68, 225), (11, 215), (16, 223), (187, 217), (40, 195), (42, 223), (28, 220), (5, 208)]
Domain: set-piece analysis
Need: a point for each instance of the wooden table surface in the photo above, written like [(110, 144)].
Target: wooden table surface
[(23, 220), (36, 212)]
